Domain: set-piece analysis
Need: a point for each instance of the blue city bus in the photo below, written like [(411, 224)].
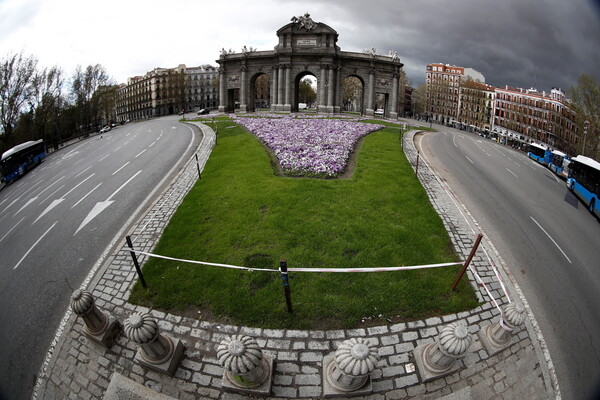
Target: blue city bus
[(539, 153), (17, 161), (584, 181), (560, 164)]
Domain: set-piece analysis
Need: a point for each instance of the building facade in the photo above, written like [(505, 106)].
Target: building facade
[(476, 106), (443, 83), (165, 91), (527, 115)]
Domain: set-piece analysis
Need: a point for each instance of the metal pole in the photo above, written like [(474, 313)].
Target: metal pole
[(417, 167), (135, 261), (466, 264), (198, 165), (286, 285)]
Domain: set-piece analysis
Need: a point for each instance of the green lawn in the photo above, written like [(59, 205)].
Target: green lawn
[(242, 213)]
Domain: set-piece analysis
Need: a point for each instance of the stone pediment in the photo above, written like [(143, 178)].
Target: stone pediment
[(305, 34)]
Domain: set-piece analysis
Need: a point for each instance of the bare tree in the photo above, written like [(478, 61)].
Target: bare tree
[(85, 84), (47, 100), (306, 92), (17, 86), (585, 100), (352, 94)]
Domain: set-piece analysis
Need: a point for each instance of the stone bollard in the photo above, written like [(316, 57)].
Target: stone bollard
[(435, 360), (156, 351), (247, 369), (497, 336), (347, 371), (99, 326)]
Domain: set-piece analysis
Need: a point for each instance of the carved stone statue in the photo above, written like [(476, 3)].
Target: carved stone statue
[(305, 21)]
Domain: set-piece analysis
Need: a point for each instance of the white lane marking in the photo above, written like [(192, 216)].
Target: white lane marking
[(104, 158), (140, 153), (52, 194), (90, 192), (58, 180), (512, 172), (58, 201), (114, 173), (554, 176), (26, 204), (102, 205), (471, 161), (82, 172), (11, 229), (553, 241), (152, 144), (35, 244)]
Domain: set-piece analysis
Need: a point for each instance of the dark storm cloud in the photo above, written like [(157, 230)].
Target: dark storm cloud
[(548, 43)]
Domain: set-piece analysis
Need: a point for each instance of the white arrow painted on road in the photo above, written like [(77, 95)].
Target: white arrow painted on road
[(26, 204), (39, 194), (58, 201), (103, 205)]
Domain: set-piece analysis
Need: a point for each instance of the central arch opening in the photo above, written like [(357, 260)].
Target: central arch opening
[(353, 95), (260, 93), (305, 89)]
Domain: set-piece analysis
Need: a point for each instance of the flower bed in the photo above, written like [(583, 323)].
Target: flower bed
[(309, 147)]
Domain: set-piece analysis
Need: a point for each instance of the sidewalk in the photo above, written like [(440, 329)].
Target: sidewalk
[(77, 368)]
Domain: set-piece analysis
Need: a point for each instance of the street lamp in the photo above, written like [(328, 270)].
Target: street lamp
[(586, 123)]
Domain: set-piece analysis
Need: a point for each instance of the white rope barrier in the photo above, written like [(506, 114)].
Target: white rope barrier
[(381, 269)]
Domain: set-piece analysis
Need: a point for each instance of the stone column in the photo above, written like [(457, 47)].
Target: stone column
[(246, 369), (322, 86), (347, 371), (337, 105), (330, 90), (437, 359), (222, 90), (370, 90), (156, 351), (243, 91), (281, 88), (497, 336), (395, 82), (287, 106), (274, 88), (99, 326)]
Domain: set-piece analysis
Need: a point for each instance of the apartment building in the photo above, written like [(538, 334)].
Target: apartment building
[(476, 106), (527, 115), (165, 91), (443, 86)]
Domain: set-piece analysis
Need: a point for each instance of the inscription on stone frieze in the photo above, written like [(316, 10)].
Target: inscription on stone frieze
[(306, 42)]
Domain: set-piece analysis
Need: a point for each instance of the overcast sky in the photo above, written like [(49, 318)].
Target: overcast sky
[(520, 43)]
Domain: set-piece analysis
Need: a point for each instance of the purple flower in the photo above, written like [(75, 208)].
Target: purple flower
[(309, 147)]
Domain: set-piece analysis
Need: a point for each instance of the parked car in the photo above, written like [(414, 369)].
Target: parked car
[(105, 129), (379, 111), (203, 111)]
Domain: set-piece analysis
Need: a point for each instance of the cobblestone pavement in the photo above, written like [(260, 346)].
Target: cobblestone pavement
[(77, 368)]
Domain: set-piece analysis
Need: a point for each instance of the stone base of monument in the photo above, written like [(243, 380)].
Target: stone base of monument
[(107, 335), (427, 371), (489, 344), (169, 364), (235, 383), (332, 390)]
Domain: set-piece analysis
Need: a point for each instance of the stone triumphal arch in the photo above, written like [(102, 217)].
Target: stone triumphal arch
[(308, 48)]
